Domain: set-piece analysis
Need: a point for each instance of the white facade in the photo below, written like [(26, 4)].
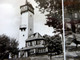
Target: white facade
[(26, 27), (30, 23)]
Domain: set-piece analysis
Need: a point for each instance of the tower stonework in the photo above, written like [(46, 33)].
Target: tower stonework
[(26, 26)]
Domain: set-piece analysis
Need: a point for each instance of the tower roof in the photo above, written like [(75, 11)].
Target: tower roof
[(26, 1), (27, 7)]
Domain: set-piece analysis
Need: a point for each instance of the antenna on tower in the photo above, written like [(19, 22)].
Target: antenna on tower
[(26, 1)]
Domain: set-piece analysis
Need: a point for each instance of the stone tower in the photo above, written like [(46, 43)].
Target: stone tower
[(26, 26)]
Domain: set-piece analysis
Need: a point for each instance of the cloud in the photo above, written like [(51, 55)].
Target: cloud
[(8, 19)]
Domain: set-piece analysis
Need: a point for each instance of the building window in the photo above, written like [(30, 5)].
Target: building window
[(38, 42), (44, 50), (31, 51), (31, 43), (28, 43), (30, 15), (43, 43), (39, 50), (30, 29)]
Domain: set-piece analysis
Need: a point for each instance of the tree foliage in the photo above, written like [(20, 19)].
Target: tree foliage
[(7, 45), (14, 47), (72, 6), (54, 7), (49, 5), (54, 44)]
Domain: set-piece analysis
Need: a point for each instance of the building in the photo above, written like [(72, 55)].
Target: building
[(26, 27), (35, 45), (31, 43)]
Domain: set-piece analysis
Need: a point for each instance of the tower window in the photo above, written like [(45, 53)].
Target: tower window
[(30, 15), (22, 28), (30, 29), (23, 35)]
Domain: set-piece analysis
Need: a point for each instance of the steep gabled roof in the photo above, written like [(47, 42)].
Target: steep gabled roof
[(35, 36)]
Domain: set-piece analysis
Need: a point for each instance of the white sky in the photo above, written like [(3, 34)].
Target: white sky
[(10, 18)]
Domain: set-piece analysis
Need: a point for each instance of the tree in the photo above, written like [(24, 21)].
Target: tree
[(55, 6), (14, 47), (7, 45), (72, 9), (4, 46), (54, 16), (72, 6), (54, 9), (54, 45)]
